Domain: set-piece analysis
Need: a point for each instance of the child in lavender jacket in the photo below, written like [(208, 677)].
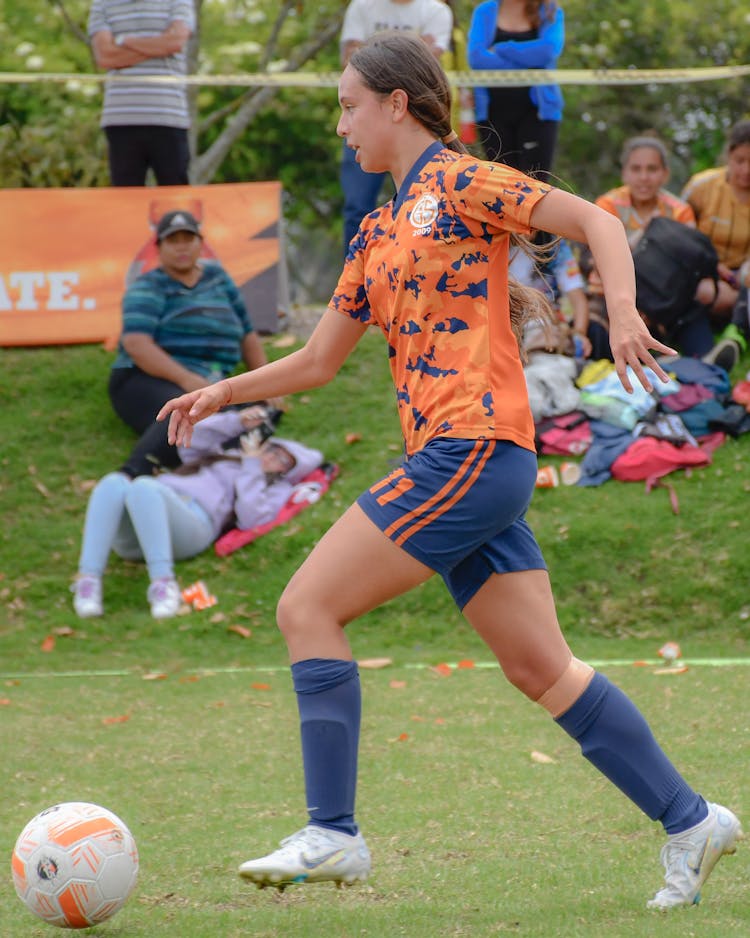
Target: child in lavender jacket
[(178, 514)]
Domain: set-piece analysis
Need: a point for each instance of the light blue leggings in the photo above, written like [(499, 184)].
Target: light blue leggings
[(141, 519)]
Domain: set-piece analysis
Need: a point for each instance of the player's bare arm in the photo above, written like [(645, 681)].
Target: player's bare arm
[(315, 364)]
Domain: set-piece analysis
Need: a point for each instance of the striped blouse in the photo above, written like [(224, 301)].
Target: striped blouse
[(132, 103)]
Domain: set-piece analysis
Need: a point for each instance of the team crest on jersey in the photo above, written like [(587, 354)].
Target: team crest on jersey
[(424, 214)]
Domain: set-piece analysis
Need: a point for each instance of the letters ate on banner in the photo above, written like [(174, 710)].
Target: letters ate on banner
[(66, 255)]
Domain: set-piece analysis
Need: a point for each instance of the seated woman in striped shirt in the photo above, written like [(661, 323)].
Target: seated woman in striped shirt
[(184, 325)]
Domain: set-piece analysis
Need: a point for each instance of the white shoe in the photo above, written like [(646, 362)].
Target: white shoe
[(165, 598), (312, 855), (87, 597), (690, 856)]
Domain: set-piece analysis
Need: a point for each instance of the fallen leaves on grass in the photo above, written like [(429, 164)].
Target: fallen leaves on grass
[(374, 663), (4, 701), (397, 685), (444, 670), (542, 758), (259, 685), (111, 721), (241, 630), (352, 438), (401, 738), (681, 670), (38, 484), (466, 664), (48, 643), (155, 676)]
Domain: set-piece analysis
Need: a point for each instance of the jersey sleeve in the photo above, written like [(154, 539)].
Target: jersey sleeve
[(496, 197), (350, 295)]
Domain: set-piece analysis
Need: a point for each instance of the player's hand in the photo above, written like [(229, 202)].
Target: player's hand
[(631, 345), (185, 411)]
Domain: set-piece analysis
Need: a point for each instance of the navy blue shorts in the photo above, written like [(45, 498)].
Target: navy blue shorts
[(459, 507)]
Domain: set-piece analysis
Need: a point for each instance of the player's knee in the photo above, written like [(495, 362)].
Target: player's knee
[(560, 696), (526, 676), (293, 613)]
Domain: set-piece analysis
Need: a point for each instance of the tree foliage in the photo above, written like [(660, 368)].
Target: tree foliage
[(49, 133)]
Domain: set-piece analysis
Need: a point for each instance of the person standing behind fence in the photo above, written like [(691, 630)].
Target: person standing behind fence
[(518, 125), (433, 21), (146, 124)]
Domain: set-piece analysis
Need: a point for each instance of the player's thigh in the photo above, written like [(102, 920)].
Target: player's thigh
[(514, 613), (353, 568)]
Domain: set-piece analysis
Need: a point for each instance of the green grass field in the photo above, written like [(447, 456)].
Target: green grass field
[(470, 835), (188, 730)]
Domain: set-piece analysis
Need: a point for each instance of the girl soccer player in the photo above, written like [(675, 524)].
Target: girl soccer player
[(430, 270)]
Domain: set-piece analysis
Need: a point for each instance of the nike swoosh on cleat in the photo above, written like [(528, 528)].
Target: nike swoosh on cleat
[(697, 868), (320, 860)]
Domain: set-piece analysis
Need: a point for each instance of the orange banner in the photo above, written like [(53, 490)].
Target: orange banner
[(66, 255)]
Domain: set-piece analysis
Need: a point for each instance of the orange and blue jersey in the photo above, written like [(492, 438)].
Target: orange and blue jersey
[(430, 269), (619, 203)]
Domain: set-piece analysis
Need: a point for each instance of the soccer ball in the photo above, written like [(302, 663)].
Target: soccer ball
[(75, 864)]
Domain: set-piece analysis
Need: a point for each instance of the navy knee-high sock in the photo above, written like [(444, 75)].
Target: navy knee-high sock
[(330, 706), (615, 737)]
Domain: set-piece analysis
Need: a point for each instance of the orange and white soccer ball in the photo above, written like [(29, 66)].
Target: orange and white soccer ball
[(75, 864)]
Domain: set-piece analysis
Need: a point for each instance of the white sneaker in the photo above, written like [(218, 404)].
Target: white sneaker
[(87, 597), (312, 855), (690, 856), (165, 598)]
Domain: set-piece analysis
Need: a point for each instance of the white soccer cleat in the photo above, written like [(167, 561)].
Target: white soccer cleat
[(312, 855), (87, 597), (165, 598), (690, 856)]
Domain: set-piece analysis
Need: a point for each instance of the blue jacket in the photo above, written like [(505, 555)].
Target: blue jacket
[(543, 52)]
